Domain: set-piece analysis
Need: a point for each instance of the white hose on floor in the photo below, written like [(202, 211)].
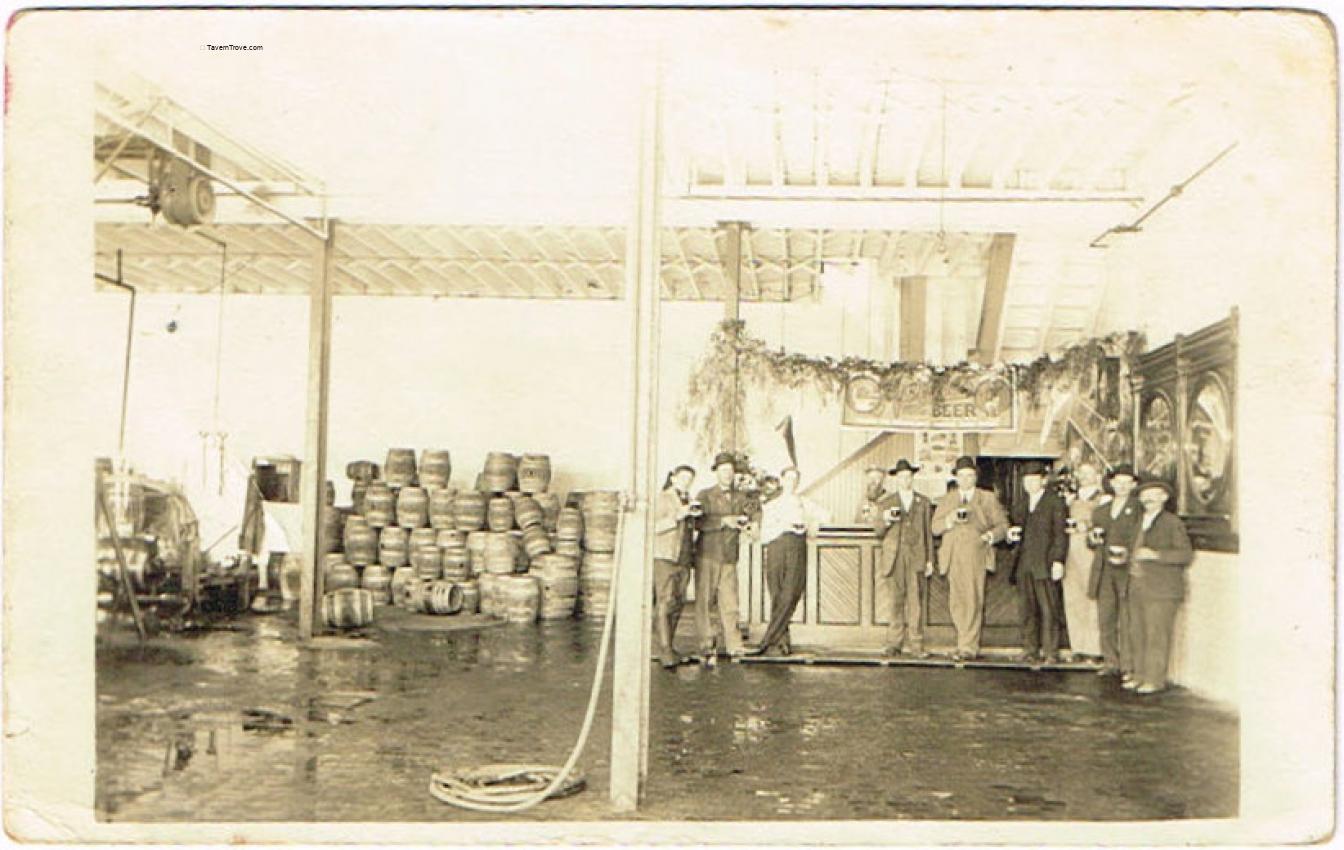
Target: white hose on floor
[(507, 788)]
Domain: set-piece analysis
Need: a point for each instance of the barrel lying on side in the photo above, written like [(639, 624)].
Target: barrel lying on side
[(347, 608)]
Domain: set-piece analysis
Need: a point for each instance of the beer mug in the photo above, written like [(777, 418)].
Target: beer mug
[(743, 521), (1096, 535), (1070, 525), (963, 514), (696, 508), (1117, 554), (800, 528), (1015, 534), (894, 513)]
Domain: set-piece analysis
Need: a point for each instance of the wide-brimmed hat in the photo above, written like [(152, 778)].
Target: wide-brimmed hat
[(902, 465), (964, 462), (1033, 467), (1154, 484), (724, 457), (1122, 469)]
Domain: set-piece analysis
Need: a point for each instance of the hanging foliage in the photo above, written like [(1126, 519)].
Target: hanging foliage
[(716, 394)]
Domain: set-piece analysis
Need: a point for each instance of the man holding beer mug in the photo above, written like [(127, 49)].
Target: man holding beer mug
[(1161, 552), (901, 519), (1114, 526), (786, 521), (725, 515), (970, 521), (1038, 563)]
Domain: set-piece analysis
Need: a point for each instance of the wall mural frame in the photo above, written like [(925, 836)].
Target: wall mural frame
[(1185, 429)]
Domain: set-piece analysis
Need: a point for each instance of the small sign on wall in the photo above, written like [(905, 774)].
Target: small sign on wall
[(955, 401)]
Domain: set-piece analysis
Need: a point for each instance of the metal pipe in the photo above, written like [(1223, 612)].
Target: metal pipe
[(1175, 192)]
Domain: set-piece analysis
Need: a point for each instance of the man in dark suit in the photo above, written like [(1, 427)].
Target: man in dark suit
[(1157, 563), (726, 513), (903, 521), (1114, 524), (1038, 563)]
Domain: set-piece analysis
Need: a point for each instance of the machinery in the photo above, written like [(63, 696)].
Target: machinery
[(157, 532)]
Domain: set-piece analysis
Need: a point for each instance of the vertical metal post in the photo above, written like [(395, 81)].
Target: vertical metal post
[(630, 691), (312, 494)]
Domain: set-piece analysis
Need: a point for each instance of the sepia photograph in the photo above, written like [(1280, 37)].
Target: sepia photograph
[(776, 425)]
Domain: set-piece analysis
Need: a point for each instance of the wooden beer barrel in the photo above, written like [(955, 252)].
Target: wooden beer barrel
[(485, 584), (569, 524), (399, 470), (347, 608), (501, 472), (357, 491), (559, 579), (535, 541), (595, 584), (550, 509), (471, 597), (569, 548), (329, 494), (527, 512), (436, 468), (499, 517), (476, 551), (361, 543), (521, 558), (450, 538), (417, 596), (400, 578), (412, 507), (422, 537), (501, 553), (393, 547), (361, 471), (469, 511), (337, 573), (441, 511), (333, 523), (380, 505), (534, 473), (456, 563), (377, 580), (520, 596), (428, 562), (445, 597)]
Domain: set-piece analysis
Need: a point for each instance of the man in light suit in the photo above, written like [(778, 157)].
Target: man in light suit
[(1159, 556), (969, 521), (1041, 546), (901, 519), (673, 557)]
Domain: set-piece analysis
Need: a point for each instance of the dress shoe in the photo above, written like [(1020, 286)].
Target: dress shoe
[(919, 653), (1129, 685), (891, 651), (669, 663), (1145, 690), (753, 649), (1050, 658), (1108, 671), (1024, 658)]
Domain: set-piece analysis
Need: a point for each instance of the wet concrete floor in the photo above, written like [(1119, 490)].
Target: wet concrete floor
[(242, 724)]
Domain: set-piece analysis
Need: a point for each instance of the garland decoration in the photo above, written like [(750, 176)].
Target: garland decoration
[(735, 360)]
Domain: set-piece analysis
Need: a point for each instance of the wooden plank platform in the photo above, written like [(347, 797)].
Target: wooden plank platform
[(863, 659)]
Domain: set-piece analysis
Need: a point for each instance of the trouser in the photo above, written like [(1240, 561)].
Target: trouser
[(669, 596), (716, 588), (785, 579), (906, 624), (1152, 620), (966, 602), (1113, 613), (1041, 605)]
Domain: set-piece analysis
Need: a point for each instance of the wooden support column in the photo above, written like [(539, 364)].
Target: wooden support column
[(731, 258), (914, 317), (312, 495), (634, 592), (992, 310)]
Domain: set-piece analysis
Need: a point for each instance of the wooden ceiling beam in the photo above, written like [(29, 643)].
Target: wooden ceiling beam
[(993, 305)]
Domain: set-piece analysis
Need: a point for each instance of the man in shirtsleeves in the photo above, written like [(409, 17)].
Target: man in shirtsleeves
[(902, 522), (969, 521), (673, 556), (726, 512)]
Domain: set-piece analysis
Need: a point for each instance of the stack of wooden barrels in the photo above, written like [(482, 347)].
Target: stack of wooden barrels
[(507, 546)]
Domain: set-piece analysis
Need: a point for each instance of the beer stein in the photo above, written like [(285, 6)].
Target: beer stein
[(800, 528), (1070, 525), (1117, 555), (963, 514), (743, 521), (894, 513), (1096, 535), (696, 509), (1015, 534)]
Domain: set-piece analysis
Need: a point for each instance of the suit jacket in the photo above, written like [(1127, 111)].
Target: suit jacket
[(962, 544), (1163, 578), (667, 531), (913, 534), (1120, 531), (1044, 541), (716, 542)]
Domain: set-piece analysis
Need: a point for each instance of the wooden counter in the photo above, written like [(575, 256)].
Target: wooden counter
[(844, 608)]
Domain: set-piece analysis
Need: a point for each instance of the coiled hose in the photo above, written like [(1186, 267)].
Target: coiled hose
[(511, 788)]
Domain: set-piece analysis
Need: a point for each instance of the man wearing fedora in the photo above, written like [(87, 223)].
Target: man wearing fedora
[(1157, 562), (726, 512), (1114, 525), (969, 521), (901, 520), (1041, 547)]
